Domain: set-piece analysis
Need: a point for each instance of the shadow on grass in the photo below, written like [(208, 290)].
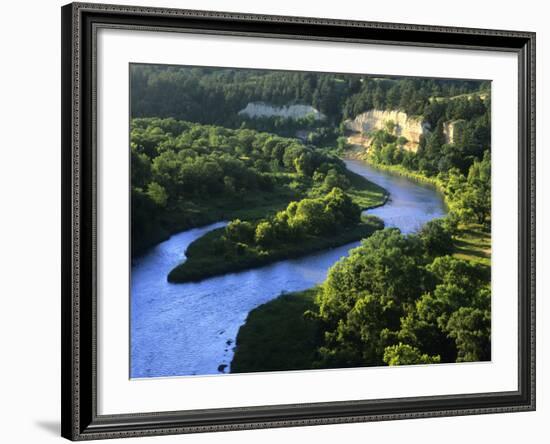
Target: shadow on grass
[(468, 249)]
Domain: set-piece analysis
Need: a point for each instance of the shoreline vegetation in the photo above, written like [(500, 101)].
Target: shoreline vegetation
[(305, 227), (267, 340), (201, 213), (402, 171), (251, 207), (471, 241), (203, 262)]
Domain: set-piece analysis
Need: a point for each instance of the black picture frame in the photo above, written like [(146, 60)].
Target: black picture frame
[(80, 420)]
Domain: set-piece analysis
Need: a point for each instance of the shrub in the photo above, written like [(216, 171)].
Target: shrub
[(436, 238), (239, 231), (404, 354), (264, 234)]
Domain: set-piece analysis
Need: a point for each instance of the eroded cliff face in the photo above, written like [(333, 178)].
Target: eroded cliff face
[(452, 129), (260, 109), (409, 127)]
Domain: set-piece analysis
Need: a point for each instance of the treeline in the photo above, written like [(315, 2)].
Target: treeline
[(180, 170), (215, 95), (308, 129), (404, 300), (307, 217), (416, 96), (305, 226)]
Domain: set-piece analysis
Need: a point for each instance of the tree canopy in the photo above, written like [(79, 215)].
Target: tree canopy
[(391, 302)]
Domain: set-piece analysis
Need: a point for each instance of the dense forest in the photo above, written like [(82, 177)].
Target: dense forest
[(407, 301), (186, 174), (215, 95), (396, 299)]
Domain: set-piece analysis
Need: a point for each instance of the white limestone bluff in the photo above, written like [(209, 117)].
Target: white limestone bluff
[(260, 109), (410, 127), (452, 129)]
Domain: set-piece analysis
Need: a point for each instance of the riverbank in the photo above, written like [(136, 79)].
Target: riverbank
[(277, 336), (248, 206), (472, 242), (204, 259), (365, 193), (198, 213), (213, 255), (398, 170)]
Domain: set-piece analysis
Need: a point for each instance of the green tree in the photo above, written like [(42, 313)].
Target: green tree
[(304, 164), (404, 354), (356, 339), (335, 179), (437, 238), (141, 168), (471, 329), (478, 196), (366, 293), (239, 231), (390, 126), (265, 234), (341, 207), (387, 154), (157, 194), (311, 217)]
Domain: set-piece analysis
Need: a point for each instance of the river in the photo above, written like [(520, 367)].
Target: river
[(190, 329)]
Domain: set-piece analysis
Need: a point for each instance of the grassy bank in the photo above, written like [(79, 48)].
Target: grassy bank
[(365, 193), (277, 336), (205, 260), (196, 213), (473, 243), (414, 175)]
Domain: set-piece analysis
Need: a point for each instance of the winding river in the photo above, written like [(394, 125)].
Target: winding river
[(190, 329)]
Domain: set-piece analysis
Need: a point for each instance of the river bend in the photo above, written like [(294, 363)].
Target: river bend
[(190, 329)]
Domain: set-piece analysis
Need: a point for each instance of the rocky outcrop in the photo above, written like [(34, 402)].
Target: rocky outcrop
[(358, 141), (452, 129), (260, 109), (406, 126)]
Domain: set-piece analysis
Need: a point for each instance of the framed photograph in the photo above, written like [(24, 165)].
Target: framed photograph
[(282, 221)]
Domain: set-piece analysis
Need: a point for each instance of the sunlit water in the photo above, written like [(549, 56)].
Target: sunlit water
[(190, 329), (411, 204)]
